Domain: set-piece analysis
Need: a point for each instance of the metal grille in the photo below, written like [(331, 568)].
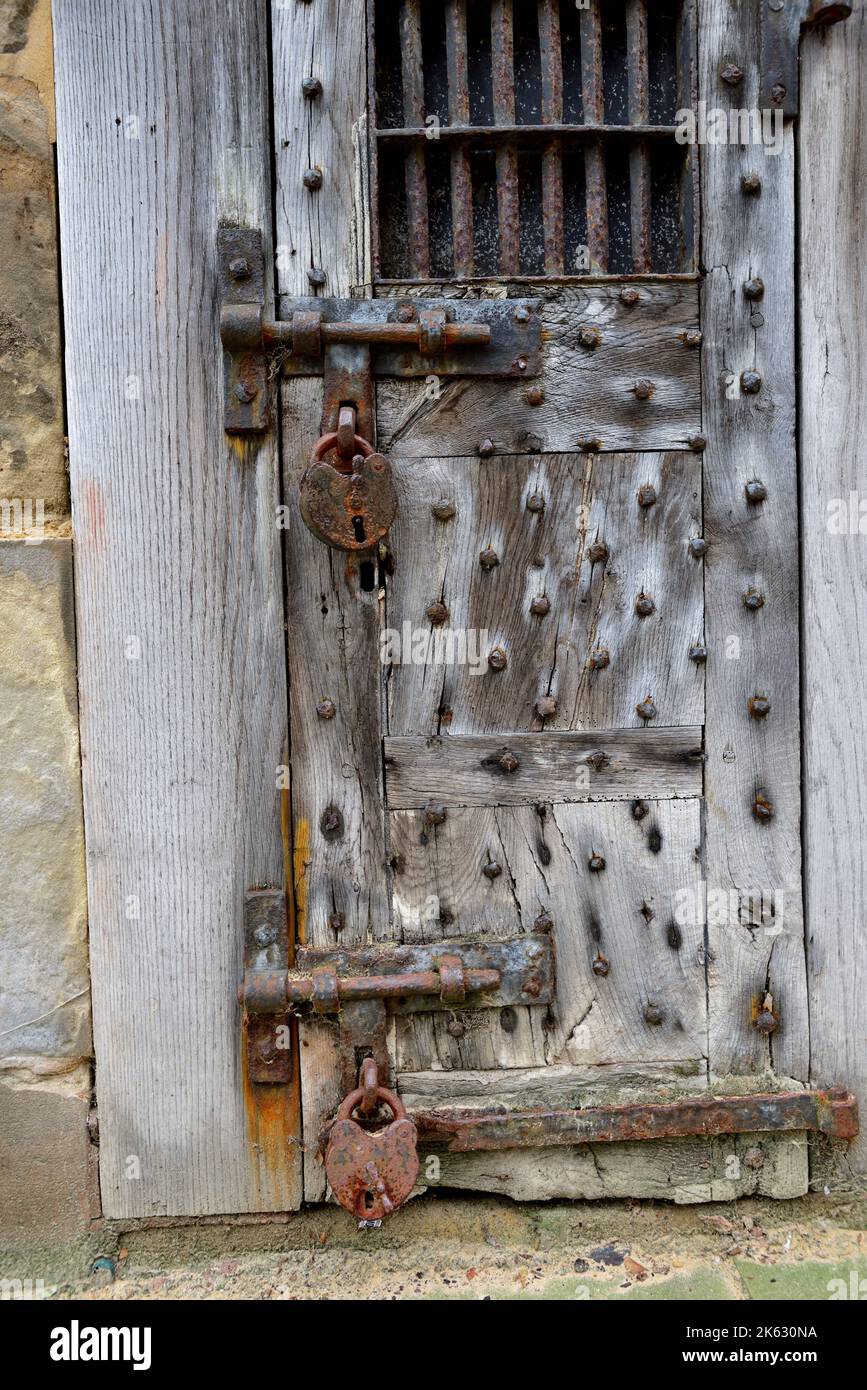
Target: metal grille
[(531, 138)]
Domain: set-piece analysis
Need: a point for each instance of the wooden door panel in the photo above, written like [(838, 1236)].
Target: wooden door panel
[(628, 933), (527, 529), (589, 392)]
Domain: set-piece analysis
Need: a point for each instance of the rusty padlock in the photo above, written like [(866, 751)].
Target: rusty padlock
[(352, 509), (372, 1172)]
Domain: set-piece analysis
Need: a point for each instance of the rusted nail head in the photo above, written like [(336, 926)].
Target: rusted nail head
[(629, 295), (751, 184), (534, 395), (522, 314), (589, 443), (763, 808), (485, 448), (751, 383), (546, 705), (311, 87), (732, 75), (239, 268), (600, 966), (697, 442), (646, 495), (434, 813), (489, 559), (444, 509), (759, 706), (599, 659), (589, 337), (646, 709), (536, 502), (316, 276), (654, 1015), (598, 552), (596, 863), (312, 178), (492, 870), (540, 606), (698, 655), (754, 288), (644, 606), (437, 613), (326, 709), (697, 546), (643, 389), (755, 490), (497, 659), (753, 600)]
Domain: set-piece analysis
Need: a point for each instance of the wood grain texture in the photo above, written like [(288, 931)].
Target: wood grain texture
[(751, 547), (541, 518), (588, 392), (628, 938), (325, 228), (162, 117), (833, 421), (614, 765)]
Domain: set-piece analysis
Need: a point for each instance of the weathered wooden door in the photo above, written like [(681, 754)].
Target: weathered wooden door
[(557, 706)]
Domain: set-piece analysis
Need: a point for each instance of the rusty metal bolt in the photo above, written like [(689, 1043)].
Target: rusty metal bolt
[(245, 392), (629, 295), (497, 659), (544, 922), (654, 1015), (596, 863), (643, 389), (311, 87), (492, 870), (437, 613), (598, 552), (485, 448), (753, 600), (732, 75), (698, 655), (326, 709), (599, 659), (265, 935), (507, 762), (644, 606), (589, 443), (534, 395), (239, 268), (766, 1022), (434, 813), (759, 706), (489, 559), (312, 179), (589, 337), (646, 709), (546, 706), (536, 502), (646, 495), (597, 760), (520, 364), (456, 1028), (692, 338), (522, 314), (316, 276), (763, 807), (540, 606), (444, 509), (755, 490), (600, 966), (697, 546), (754, 288), (331, 823), (698, 443), (751, 383), (778, 92), (639, 810), (754, 1157), (337, 921), (751, 185)]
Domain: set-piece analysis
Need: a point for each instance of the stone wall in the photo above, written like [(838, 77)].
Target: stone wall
[(45, 1072)]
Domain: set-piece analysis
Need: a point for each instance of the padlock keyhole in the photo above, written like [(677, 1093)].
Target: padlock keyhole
[(369, 1202), (358, 528)]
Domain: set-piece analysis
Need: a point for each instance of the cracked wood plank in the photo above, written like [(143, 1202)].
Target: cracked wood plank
[(327, 228), (162, 125), (611, 764), (546, 557), (833, 301), (622, 896), (753, 867), (587, 392)]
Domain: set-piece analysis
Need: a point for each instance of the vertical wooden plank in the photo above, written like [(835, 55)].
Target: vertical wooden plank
[(503, 81), (596, 188), (412, 67), (639, 114), (752, 849), (552, 111), (459, 115), (325, 229), (833, 422), (162, 128)]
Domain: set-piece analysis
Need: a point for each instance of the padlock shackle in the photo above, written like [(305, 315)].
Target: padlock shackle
[(349, 1103), (329, 441)]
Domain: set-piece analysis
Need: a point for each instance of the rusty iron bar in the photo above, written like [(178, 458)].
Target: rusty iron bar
[(833, 1112), (503, 83), (596, 188), (408, 335), (550, 52), (459, 115), (639, 114), (413, 113), (326, 990), (486, 134)]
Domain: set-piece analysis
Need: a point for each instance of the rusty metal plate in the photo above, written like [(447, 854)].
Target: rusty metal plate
[(515, 349), (266, 957), (525, 965), (781, 26), (833, 1112), (241, 280)]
